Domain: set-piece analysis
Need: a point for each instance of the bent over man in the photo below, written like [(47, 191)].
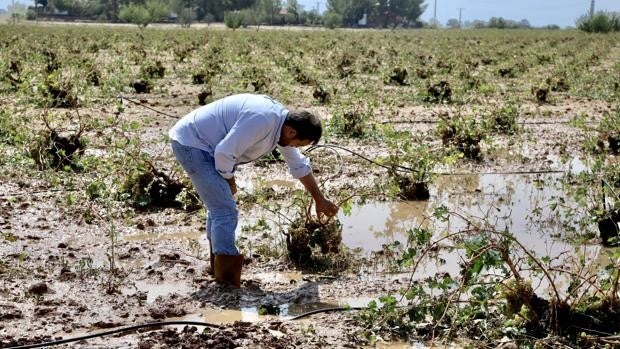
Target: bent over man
[(211, 141)]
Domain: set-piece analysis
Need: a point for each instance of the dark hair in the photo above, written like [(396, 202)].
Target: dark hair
[(307, 125)]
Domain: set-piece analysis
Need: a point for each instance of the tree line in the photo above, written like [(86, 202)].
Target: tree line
[(347, 13)]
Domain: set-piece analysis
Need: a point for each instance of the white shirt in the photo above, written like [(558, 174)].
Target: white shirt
[(239, 129)]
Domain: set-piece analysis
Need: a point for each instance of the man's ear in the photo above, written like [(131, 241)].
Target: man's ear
[(291, 132)]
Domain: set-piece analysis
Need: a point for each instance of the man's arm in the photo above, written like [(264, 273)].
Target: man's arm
[(322, 204), (232, 184)]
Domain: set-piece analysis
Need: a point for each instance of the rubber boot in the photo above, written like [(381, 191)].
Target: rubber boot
[(228, 269), (211, 269)]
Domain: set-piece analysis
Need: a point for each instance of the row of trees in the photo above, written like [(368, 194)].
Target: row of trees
[(235, 13), (350, 13), (146, 11), (374, 13), (494, 22)]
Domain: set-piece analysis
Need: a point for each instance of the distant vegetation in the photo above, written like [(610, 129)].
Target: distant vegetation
[(236, 13), (600, 22)]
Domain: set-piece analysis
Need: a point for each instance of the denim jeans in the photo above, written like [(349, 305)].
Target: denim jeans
[(214, 191)]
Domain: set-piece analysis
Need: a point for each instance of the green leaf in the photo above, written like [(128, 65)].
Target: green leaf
[(346, 208)]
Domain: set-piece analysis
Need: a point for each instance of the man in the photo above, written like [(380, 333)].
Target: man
[(211, 141)]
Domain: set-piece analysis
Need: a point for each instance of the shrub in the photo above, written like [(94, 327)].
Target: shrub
[(135, 14), (31, 14), (233, 19), (601, 22), (143, 15), (332, 20), (505, 119), (464, 133)]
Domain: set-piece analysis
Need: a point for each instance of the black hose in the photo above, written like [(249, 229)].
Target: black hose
[(165, 323), (324, 310), (404, 168), (334, 146), (117, 330), (147, 107)]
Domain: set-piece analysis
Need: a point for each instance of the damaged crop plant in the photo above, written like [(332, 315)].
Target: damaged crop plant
[(316, 244), (419, 123), (492, 296)]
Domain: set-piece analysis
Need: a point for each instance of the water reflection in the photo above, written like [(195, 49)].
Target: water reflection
[(371, 226), (286, 311), (538, 209)]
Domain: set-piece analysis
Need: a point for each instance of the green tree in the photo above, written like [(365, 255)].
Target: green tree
[(381, 12), (185, 11), (217, 8), (499, 23), (293, 8), (143, 15), (233, 19), (351, 11), (268, 9), (333, 20), (600, 22), (453, 23), (399, 12)]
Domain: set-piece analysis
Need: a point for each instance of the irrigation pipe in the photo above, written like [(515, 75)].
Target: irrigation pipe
[(400, 167), (425, 121), (147, 107), (332, 147), (404, 168), (125, 330)]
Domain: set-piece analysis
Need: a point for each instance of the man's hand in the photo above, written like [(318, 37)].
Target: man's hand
[(326, 207), (323, 206), (233, 185)]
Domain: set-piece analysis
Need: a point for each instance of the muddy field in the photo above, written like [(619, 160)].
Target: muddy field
[(513, 152)]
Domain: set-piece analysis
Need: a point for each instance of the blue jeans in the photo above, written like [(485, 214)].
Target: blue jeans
[(215, 194)]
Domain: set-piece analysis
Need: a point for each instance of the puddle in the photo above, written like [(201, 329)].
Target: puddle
[(572, 166), (286, 311), (520, 204), (370, 226), (279, 277), (405, 345)]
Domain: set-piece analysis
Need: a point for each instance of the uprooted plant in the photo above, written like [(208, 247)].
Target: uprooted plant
[(315, 243), (606, 212), (440, 92), (145, 187), (504, 119), (352, 121), (409, 165), (494, 299), (464, 133), (609, 131), (52, 149)]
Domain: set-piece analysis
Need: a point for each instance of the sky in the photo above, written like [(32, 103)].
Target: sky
[(538, 12)]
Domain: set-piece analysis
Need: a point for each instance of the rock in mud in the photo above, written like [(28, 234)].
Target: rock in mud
[(38, 288), (10, 312), (106, 324), (163, 310), (42, 311)]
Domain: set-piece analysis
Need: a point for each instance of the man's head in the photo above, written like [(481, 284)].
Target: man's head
[(300, 128)]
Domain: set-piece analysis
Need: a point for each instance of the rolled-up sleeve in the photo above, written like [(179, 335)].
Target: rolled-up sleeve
[(298, 165), (241, 136)]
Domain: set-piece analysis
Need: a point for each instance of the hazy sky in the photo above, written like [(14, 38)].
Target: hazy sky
[(538, 12)]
